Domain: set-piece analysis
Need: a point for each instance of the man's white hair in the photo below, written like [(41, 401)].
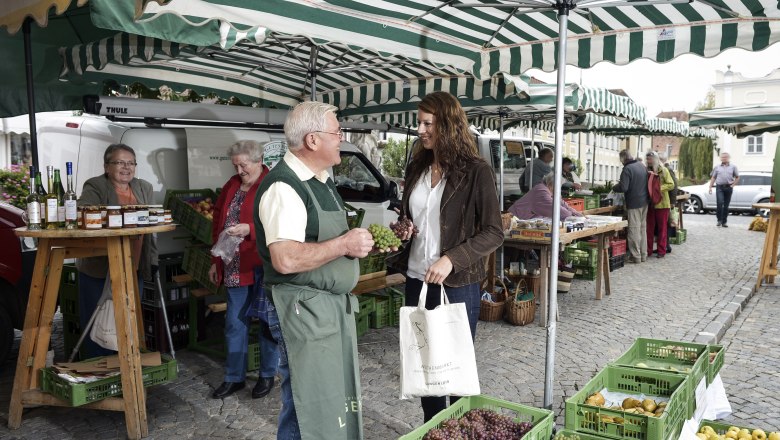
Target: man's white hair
[(307, 117)]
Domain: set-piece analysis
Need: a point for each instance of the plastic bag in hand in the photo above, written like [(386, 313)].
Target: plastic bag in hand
[(226, 246)]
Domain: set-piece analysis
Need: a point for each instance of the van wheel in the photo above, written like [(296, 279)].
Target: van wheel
[(6, 334), (762, 212)]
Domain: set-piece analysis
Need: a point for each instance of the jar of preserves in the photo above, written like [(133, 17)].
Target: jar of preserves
[(92, 218), (142, 214), (168, 217), (154, 217), (80, 217), (129, 217), (104, 216), (114, 217)]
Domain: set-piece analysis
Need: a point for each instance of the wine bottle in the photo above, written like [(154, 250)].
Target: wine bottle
[(41, 196), (52, 201), (33, 205), (70, 200), (60, 191)]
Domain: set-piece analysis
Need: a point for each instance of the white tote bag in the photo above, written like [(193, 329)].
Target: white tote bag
[(437, 353), (103, 330)]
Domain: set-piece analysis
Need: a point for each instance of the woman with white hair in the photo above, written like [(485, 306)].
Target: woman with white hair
[(658, 214), (538, 202)]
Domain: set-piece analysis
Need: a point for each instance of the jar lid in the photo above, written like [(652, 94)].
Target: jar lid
[(128, 207), (155, 206), (113, 207)]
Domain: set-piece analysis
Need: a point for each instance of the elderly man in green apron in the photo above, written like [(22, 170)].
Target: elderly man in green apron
[(309, 255)]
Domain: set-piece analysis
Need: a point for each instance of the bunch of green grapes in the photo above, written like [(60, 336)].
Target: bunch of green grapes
[(384, 238)]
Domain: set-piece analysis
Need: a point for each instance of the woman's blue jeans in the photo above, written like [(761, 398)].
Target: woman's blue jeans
[(468, 294)]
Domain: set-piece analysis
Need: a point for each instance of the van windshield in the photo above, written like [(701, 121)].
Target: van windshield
[(354, 180), (514, 155)]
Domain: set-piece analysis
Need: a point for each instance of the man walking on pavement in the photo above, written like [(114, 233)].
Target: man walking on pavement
[(633, 184), (309, 256), (724, 177)]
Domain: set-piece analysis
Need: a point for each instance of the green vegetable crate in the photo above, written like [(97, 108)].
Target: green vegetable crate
[(253, 357), (680, 238), (542, 419), (585, 273), (669, 356), (565, 434), (591, 201), (585, 418), (197, 262), (381, 317), (372, 263), (77, 394), (362, 318), (581, 254), (184, 214), (393, 308), (722, 428), (354, 216), (714, 366)]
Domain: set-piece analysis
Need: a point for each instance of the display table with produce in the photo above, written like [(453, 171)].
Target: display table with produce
[(54, 246), (767, 270), (601, 233), (681, 199)]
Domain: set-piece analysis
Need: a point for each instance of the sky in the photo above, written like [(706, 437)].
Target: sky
[(676, 85)]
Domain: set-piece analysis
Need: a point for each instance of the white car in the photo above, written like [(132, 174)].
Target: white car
[(753, 187)]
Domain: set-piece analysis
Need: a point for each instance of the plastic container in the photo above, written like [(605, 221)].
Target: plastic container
[(587, 419), (680, 237), (542, 419), (354, 216), (722, 428), (372, 263), (178, 202), (197, 262), (83, 393), (576, 204), (714, 365), (381, 317), (581, 254), (617, 247), (565, 434)]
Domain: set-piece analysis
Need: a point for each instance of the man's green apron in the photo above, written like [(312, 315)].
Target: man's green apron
[(318, 327)]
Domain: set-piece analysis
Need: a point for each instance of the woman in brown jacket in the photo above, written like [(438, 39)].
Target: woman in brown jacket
[(451, 198)]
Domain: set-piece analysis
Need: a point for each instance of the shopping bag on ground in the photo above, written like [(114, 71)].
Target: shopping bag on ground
[(437, 353), (104, 328)]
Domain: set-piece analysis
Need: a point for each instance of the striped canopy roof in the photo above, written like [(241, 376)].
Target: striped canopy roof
[(741, 121), (610, 125), (488, 40)]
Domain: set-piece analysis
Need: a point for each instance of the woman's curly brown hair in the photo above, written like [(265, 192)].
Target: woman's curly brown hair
[(456, 146)]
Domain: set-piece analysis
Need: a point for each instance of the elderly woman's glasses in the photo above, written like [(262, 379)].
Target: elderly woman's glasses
[(123, 164)]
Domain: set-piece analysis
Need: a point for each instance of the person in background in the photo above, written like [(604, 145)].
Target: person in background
[(538, 168), (672, 194), (116, 186), (539, 202), (633, 185), (243, 276), (724, 177), (451, 197), (310, 260), (571, 178), (658, 214)]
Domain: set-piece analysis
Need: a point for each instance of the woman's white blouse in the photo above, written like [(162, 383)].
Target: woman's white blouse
[(425, 207)]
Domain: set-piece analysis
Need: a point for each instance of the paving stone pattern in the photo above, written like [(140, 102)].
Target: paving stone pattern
[(676, 297)]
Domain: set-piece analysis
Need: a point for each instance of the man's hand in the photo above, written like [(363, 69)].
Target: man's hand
[(710, 190), (408, 233), (358, 242), (439, 271)]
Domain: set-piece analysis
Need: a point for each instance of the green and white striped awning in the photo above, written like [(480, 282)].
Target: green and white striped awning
[(740, 121), (488, 40), (609, 125)]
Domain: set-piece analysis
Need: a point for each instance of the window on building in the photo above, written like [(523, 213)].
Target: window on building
[(755, 145)]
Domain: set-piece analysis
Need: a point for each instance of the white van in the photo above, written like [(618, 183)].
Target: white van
[(192, 157), (518, 153)]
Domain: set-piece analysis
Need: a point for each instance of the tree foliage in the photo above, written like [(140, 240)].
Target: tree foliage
[(394, 157), (695, 162), (708, 102)]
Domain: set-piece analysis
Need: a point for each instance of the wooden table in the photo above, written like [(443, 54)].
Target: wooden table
[(767, 269), (544, 244), (602, 210), (681, 199), (54, 246)]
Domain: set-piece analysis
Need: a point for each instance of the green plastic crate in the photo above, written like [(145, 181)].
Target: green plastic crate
[(542, 419), (662, 355), (69, 290), (361, 324), (714, 366), (354, 216), (680, 238), (253, 357), (585, 273), (372, 263), (77, 394), (381, 317), (565, 434), (184, 214), (585, 418), (581, 254), (197, 262), (722, 428), (591, 201), (367, 304), (396, 301)]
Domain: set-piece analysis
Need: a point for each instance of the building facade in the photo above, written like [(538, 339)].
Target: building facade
[(732, 89)]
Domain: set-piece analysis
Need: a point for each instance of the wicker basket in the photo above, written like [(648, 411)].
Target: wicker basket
[(520, 312), (493, 311), (565, 275)]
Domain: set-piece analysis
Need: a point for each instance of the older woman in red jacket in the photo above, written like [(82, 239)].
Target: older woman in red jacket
[(243, 275)]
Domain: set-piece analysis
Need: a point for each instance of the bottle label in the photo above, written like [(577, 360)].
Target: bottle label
[(60, 214), (115, 221), (34, 213), (131, 218), (51, 210), (70, 210)]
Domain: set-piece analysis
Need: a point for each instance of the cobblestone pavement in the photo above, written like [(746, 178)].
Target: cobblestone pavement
[(675, 297)]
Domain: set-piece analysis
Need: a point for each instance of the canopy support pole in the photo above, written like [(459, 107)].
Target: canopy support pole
[(313, 71), (533, 154), (552, 323), (30, 91), (500, 184)]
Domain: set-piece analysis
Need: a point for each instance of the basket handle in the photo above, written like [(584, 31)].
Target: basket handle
[(518, 289)]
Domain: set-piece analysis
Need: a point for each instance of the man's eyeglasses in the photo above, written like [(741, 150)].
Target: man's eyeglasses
[(122, 163), (339, 133)]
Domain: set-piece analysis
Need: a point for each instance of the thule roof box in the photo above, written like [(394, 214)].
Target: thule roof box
[(156, 113)]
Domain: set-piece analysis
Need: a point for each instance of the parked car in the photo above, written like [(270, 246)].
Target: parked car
[(753, 187)]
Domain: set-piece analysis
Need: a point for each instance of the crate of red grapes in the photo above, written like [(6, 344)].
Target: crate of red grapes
[(481, 417)]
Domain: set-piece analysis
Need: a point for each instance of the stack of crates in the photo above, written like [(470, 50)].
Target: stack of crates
[(679, 237), (387, 307), (584, 257), (69, 307), (176, 305), (363, 317), (617, 253)]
